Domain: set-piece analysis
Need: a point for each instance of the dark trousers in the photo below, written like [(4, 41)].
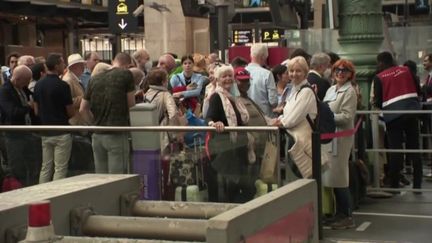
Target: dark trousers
[(407, 125), (24, 156), (229, 189), (343, 201)]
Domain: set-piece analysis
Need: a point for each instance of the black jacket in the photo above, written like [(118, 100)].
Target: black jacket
[(11, 108), (322, 84), (216, 111)]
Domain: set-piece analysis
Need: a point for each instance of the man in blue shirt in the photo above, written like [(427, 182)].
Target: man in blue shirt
[(263, 88), (91, 58)]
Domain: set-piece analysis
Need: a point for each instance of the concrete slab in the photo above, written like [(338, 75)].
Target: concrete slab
[(101, 191)]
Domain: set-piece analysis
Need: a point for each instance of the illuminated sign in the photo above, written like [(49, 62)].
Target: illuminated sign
[(271, 35), (121, 19), (255, 3), (242, 36)]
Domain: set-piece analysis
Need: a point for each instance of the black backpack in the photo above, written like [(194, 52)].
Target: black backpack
[(324, 121)]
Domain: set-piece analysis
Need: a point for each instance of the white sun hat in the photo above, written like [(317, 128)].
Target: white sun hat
[(74, 59)]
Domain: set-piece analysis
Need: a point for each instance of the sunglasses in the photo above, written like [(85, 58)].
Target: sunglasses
[(242, 73), (342, 70)]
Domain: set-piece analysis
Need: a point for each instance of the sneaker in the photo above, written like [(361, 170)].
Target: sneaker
[(343, 223), (328, 220), (393, 192)]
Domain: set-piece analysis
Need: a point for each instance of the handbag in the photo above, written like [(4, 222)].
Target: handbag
[(301, 151), (182, 169), (268, 170), (10, 183)]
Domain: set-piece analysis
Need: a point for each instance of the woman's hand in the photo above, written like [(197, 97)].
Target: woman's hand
[(278, 110), (139, 94), (277, 123), (192, 86), (178, 95), (218, 125)]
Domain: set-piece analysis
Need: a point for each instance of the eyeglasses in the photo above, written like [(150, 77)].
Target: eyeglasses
[(342, 70), (218, 64)]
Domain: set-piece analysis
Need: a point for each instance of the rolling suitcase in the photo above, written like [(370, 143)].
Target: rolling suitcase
[(264, 188), (167, 188), (147, 163), (196, 191), (188, 193)]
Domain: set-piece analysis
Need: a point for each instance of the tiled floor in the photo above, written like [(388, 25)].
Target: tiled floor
[(404, 218)]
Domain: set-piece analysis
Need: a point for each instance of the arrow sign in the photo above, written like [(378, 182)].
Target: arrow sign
[(122, 25), (121, 18)]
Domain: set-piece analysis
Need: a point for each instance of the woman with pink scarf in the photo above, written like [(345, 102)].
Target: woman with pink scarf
[(228, 150)]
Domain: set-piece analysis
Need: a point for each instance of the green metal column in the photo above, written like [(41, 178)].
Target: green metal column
[(361, 36)]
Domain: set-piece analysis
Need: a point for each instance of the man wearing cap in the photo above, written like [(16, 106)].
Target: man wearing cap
[(75, 69), (256, 140), (53, 105), (256, 116)]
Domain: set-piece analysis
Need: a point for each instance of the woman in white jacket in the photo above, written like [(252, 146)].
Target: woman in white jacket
[(342, 99), (299, 104)]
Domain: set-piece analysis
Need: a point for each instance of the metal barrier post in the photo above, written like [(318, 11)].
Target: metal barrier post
[(375, 141), (316, 174)]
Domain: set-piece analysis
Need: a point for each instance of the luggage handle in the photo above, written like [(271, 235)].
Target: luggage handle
[(183, 193), (199, 168)]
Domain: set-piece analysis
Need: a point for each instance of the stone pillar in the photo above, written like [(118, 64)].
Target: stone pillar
[(361, 36), (165, 32), (173, 32)]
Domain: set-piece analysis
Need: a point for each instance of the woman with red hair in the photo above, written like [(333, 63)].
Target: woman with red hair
[(342, 99)]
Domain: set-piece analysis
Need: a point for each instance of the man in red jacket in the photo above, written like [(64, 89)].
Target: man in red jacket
[(395, 89)]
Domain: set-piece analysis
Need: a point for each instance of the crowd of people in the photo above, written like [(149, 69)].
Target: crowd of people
[(85, 91)]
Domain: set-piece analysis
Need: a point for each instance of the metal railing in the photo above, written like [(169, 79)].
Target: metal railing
[(136, 128), (144, 129), (374, 121)]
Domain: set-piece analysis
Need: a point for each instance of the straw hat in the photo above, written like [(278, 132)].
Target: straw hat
[(74, 59)]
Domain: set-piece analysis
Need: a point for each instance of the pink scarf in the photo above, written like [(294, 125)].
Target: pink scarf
[(227, 103)]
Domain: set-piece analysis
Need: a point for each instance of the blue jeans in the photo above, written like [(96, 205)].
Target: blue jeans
[(111, 152)]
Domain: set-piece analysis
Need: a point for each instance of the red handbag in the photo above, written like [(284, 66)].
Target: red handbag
[(10, 183)]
